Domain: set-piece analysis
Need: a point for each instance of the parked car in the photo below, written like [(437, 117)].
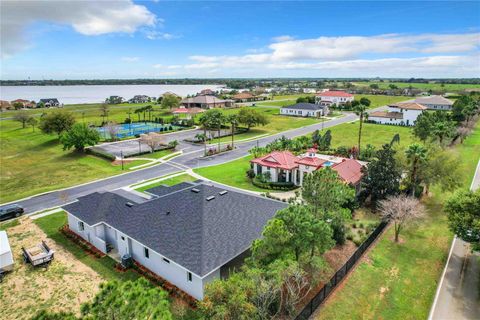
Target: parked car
[(10, 211)]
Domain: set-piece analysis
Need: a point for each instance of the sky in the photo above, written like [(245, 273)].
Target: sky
[(122, 39)]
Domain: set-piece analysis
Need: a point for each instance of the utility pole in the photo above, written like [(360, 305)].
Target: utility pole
[(121, 156)]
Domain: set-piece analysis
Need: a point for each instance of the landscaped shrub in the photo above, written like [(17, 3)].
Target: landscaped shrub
[(349, 236), (250, 173), (273, 185)]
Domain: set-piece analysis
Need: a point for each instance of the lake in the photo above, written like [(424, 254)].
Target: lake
[(95, 93)]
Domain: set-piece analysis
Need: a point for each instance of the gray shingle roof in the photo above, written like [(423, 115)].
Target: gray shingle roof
[(304, 106), (198, 234)]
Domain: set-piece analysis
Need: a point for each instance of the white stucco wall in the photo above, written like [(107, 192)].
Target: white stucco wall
[(335, 100), (385, 120), (300, 112), (89, 233), (438, 106)]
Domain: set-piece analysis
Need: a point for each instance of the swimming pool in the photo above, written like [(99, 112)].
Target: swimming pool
[(328, 164), (131, 129)]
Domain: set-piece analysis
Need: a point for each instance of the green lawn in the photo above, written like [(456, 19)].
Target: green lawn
[(231, 173), (157, 154), (104, 266), (346, 134), (398, 281), (169, 182), (33, 162)]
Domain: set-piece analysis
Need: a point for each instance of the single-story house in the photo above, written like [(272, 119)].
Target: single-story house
[(403, 113), (207, 92), (333, 97), (283, 166), (189, 234), (243, 97), (24, 103), (5, 105), (140, 99), (435, 102), (204, 102), (50, 102), (305, 110)]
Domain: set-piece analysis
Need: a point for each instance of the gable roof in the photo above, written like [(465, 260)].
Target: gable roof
[(55, 100), (434, 100), (243, 95), (342, 94), (278, 159), (385, 114), (197, 234), (409, 106), (305, 106), (203, 100), (349, 170), (311, 161)]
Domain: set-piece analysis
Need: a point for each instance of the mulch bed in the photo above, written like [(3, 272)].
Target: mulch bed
[(85, 245)]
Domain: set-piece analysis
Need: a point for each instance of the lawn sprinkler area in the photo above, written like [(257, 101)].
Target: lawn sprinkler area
[(125, 130)]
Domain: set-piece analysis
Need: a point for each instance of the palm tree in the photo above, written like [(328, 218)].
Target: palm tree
[(138, 111), (416, 154), (148, 109), (204, 121), (361, 111), (233, 120)]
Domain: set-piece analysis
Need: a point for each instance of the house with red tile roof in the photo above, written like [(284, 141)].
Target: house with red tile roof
[(331, 97), (283, 166)]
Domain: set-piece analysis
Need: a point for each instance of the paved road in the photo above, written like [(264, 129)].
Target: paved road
[(458, 295), (190, 159)]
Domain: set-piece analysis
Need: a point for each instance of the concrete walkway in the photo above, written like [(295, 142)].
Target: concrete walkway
[(458, 294)]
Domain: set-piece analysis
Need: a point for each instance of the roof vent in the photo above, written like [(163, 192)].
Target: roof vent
[(195, 190), (167, 213), (210, 198), (223, 192), (129, 204)]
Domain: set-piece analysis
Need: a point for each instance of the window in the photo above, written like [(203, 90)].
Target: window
[(166, 260), (189, 276), (81, 226), (146, 253)]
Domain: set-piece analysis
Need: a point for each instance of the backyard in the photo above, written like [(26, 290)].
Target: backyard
[(386, 284)]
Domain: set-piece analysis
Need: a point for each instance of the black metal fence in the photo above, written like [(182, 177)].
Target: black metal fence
[(323, 294)]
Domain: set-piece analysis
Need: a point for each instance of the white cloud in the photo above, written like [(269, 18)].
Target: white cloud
[(156, 35), (86, 17), (130, 59), (282, 38)]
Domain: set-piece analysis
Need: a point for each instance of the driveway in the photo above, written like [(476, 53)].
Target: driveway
[(458, 294)]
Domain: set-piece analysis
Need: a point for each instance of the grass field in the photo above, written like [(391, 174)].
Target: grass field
[(32, 162), (398, 281), (169, 182), (421, 86), (342, 135)]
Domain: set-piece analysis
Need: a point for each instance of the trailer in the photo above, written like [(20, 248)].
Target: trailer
[(40, 255), (6, 256)]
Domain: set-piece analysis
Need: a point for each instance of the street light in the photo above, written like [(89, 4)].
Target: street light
[(121, 157)]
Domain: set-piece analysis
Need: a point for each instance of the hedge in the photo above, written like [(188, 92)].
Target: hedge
[(273, 185)]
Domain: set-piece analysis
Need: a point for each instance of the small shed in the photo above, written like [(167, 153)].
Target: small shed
[(6, 257)]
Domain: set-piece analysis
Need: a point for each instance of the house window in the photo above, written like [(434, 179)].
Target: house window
[(166, 260), (81, 226), (146, 253), (189, 276)]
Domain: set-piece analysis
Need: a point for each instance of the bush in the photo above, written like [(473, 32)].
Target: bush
[(273, 185), (250, 174), (339, 232), (357, 242), (349, 236)]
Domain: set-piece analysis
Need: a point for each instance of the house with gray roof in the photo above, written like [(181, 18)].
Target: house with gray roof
[(189, 234), (305, 110), (435, 102)]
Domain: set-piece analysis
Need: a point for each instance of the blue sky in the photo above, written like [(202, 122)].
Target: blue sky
[(140, 39)]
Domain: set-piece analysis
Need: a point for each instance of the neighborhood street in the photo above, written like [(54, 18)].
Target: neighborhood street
[(458, 295), (190, 159)]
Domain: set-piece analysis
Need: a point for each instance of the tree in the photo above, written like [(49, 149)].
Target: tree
[(104, 111), (212, 120), (23, 117), (57, 122), (416, 155), (233, 121), (293, 232), (170, 101), (423, 126), (463, 210), (365, 101), (251, 118), (112, 129), (17, 105), (152, 139), (32, 122), (322, 142), (441, 168), (79, 136), (382, 175), (128, 300), (325, 192), (361, 111), (173, 144), (138, 112), (401, 209), (442, 130)]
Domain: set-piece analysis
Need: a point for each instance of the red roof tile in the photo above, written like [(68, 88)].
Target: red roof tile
[(278, 159), (349, 170), (335, 94), (311, 161)]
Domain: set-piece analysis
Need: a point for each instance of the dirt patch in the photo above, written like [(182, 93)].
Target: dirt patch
[(119, 162), (340, 254), (64, 286)]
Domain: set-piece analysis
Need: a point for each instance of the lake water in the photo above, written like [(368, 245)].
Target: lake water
[(95, 93)]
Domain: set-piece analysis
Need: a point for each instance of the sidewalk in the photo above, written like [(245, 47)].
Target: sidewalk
[(458, 294)]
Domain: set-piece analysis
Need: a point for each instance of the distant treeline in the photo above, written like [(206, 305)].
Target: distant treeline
[(232, 82)]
